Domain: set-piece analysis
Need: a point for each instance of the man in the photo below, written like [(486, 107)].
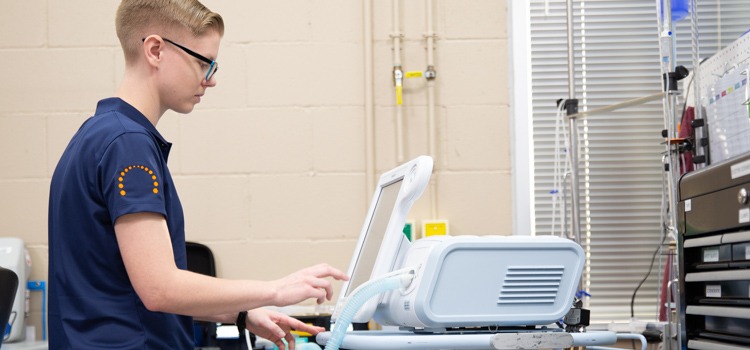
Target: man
[(117, 268)]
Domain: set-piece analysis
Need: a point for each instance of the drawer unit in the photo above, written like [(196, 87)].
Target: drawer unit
[(714, 250)]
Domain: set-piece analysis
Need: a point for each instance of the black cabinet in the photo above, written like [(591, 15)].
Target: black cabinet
[(714, 244)]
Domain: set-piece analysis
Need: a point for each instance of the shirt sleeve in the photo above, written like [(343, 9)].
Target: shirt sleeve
[(131, 174)]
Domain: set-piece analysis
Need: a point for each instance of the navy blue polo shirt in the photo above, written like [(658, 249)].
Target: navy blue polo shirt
[(116, 164)]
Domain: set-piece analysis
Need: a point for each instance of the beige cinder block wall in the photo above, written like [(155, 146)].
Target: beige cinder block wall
[(271, 165)]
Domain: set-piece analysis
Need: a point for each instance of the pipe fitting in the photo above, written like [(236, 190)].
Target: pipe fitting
[(430, 74), (398, 76)]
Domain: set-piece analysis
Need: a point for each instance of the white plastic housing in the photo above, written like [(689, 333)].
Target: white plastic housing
[(471, 281)]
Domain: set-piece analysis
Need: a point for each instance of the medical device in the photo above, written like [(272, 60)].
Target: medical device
[(381, 240), (476, 281), (13, 256), (446, 286), (462, 281)]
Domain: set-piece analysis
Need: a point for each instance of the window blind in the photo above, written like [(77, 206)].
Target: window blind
[(616, 50)]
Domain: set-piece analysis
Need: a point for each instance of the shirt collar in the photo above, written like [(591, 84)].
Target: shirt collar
[(124, 108)]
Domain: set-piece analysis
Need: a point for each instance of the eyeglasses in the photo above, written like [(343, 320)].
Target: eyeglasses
[(212, 65)]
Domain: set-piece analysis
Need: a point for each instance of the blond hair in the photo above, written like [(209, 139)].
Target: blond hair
[(137, 19)]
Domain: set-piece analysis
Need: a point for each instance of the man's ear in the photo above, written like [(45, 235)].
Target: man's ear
[(152, 49)]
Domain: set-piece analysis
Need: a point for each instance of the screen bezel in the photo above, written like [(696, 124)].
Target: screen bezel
[(414, 176)]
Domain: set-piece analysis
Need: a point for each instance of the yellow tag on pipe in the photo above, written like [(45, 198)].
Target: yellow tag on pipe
[(399, 91), (414, 74)]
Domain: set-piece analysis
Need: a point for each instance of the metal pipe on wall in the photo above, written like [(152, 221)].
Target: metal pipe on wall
[(398, 78), (430, 76), (369, 100)]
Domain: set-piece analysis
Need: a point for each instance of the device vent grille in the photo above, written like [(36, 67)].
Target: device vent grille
[(531, 284)]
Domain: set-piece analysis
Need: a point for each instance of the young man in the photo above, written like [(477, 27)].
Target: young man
[(117, 262)]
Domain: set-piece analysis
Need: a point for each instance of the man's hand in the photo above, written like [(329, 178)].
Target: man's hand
[(276, 326), (307, 283)]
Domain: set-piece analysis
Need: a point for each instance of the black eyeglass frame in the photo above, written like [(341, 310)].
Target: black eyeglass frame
[(213, 66)]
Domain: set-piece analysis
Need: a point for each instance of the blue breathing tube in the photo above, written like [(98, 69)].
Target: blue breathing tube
[(360, 296)]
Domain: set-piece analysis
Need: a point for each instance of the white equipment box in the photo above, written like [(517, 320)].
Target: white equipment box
[(474, 281), (13, 256)]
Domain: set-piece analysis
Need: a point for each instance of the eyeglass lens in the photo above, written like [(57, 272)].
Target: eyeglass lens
[(211, 70)]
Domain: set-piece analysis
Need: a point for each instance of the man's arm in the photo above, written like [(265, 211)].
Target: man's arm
[(146, 250)]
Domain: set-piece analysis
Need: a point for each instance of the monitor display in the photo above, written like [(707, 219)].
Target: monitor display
[(374, 236)]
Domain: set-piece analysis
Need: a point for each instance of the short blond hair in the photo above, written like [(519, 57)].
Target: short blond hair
[(137, 19)]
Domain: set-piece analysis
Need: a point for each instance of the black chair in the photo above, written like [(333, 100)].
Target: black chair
[(200, 259), (8, 287)]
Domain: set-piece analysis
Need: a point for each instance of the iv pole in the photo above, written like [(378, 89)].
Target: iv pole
[(572, 114), (571, 107)]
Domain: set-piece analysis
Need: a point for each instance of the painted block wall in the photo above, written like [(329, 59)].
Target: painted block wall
[(271, 165)]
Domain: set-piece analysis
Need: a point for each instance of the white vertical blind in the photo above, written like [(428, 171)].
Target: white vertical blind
[(616, 52)]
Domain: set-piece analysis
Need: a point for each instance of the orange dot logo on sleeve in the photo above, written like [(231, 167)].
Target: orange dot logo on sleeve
[(131, 181)]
